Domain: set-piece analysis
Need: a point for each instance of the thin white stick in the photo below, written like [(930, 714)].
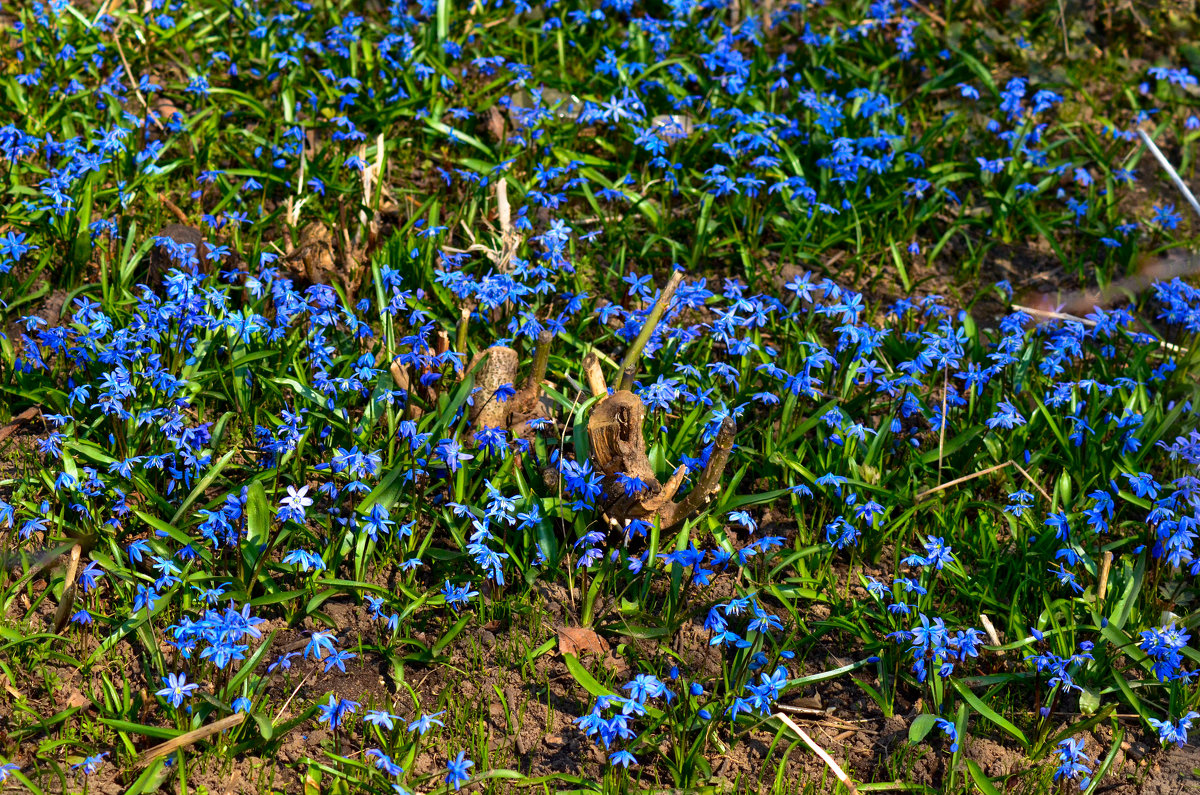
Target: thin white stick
[(184, 740), (819, 751), (1090, 323), (990, 629), (1174, 175), (289, 699)]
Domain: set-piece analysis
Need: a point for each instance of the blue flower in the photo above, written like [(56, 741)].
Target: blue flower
[(1165, 646), (318, 642), (951, 731), (91, 764), (1073, 762), (176, 689), (339, 659), (336, 710), (937, 554), (622, 758), (457, 595), (456, 770), (1177, 733), (630, 484), (1007, 416), (292, 506), (425, 723), (380, 718)]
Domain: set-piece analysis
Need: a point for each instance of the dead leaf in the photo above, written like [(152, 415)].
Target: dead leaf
[(27, 414), (494, 123), (75, 698), (581, 640), (9, 688)]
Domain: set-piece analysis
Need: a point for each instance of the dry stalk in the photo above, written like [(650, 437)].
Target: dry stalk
[(819, 751), (1064, 316), (1105, 569), (68, 595), (129, 74), (948, 484), (184, 740), (1170, 169), (993, 636), (942, 487), (1033, 482)]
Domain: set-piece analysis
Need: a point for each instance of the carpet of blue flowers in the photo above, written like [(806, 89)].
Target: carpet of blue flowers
[(274, 517)]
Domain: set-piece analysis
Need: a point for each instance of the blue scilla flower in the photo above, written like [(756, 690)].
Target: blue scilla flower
[(1074, 763), (457, 596), (336, 710), (1165, 645), (1176, 732), (176, 688), (950, 731), (456, 770)]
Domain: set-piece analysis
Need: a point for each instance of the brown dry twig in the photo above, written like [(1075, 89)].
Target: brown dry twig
[(184, 740), (68, 595), (129, 74), (942, 487)]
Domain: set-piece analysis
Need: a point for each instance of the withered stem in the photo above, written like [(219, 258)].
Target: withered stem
[(709, 478), (594, 375), (463, 323), (628, 376), (541, 359), (660, 307)]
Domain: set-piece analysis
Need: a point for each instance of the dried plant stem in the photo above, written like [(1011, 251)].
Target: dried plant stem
[(660, 307), (129, 72), (541, 359), (179, 214), (68, 594), (1033, 482), (283, 709), (823, 719), (942, 487), (942, 429), (948, 484), (184, 740), (594, 375), (1170, 169), (1105, 569), (819, 751), (1090, 323), (464, 324), (709, 480), (990, 629)]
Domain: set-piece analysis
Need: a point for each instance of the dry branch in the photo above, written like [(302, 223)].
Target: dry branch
[(184, 740)]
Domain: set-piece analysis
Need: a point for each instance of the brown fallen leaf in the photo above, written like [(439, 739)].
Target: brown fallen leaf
[(27, 414), (8, 687), (581, 640), (75, 698)]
